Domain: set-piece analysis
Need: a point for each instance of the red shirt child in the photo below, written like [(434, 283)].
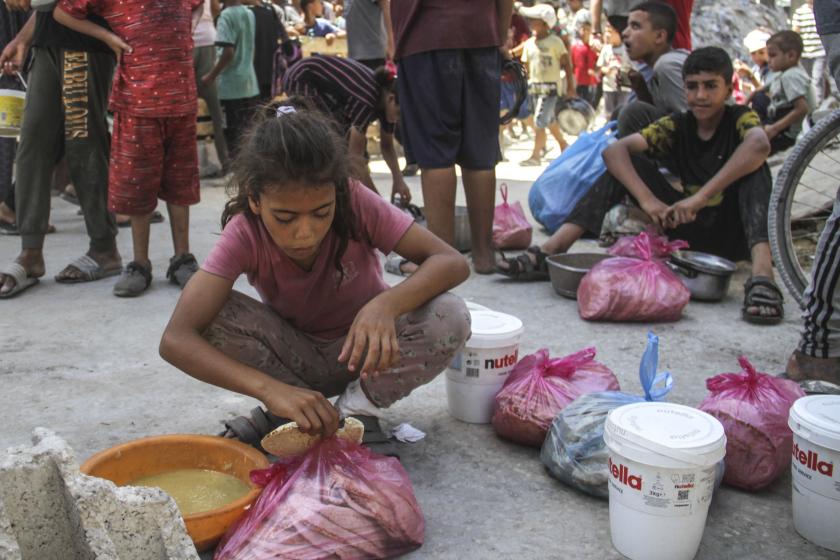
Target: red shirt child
[(584, 60), (153, 151)]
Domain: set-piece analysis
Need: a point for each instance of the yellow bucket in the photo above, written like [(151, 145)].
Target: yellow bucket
[(11, 112)]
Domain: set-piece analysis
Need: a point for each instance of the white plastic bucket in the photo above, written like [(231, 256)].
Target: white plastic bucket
[(11, 112), (662, 463), (815, 469), (480, 370)]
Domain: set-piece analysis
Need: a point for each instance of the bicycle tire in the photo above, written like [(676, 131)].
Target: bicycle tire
[(781, 199)]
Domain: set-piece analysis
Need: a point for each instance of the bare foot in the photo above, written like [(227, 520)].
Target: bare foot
[(32, 260), (802, 366), (484, 265), (7, 214), (109, 260)]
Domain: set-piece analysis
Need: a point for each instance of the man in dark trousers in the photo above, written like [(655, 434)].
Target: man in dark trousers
[(69, 83), (449, 87)]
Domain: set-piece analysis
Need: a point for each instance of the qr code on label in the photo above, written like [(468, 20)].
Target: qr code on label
[(682, 495), (472, 372)]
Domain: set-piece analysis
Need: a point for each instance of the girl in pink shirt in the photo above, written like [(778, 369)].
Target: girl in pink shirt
[(307, 236)]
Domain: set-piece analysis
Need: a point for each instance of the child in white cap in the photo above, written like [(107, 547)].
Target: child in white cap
[(544, 55), (755, 76)]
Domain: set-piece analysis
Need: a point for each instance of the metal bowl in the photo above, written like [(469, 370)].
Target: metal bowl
[(574, 115), (567, 270), (706, 276), (463, 238)]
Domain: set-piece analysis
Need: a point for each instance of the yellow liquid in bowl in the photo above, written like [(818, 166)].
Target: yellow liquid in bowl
[(196, 490)]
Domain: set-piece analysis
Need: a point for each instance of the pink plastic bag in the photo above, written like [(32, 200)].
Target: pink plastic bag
[(753, 408), (539, 388), (511, 229), (338, 500), (636, 285)]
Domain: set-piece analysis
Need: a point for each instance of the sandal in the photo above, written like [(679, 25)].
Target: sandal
[(394, 265), (253, 428), (522, 269), (22, 280), (181, 269), (134, 280), (88, 269), (814, 386), (761, 291), (530, 162)]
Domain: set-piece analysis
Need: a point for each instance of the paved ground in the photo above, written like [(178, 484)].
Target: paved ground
[(84, 363)]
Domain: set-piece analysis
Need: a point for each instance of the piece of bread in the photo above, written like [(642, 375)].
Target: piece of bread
[(289, 441)]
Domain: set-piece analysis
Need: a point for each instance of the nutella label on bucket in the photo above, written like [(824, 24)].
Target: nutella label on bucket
[(489, 363), (660, 491), (815, 468)]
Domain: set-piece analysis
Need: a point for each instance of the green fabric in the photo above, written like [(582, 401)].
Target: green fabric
[(236, 26)]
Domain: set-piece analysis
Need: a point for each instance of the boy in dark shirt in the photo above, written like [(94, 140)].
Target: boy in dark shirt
[(719, 152)]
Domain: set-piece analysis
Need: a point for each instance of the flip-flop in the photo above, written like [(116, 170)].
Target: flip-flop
[(251, 429), (22, 281), (90, 270)]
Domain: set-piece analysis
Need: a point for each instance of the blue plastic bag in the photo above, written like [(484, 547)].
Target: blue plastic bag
[(555, 193), (574, 450)]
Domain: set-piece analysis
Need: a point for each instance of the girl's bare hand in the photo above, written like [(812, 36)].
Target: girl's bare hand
[(118, 46), (311, 410), (373, 330)]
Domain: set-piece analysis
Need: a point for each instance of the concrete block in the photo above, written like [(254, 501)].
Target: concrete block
[(49, 510)]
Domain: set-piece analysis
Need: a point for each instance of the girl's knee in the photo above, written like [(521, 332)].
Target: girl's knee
[(450, 319)]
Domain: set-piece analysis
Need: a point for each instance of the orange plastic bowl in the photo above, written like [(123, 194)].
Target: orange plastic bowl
[(153, 455)]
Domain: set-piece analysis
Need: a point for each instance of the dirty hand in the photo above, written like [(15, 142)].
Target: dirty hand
[(400, 191), (311, 410), (685, 211), (373, 328), (658, 212), (12, 57)]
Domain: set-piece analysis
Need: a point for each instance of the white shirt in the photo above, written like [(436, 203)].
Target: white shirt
[(204, 34)]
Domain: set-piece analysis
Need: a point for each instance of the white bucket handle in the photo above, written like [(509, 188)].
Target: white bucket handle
[(669, 452), (20, 77)]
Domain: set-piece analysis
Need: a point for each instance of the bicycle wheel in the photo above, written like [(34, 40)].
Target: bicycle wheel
[(802, 199)]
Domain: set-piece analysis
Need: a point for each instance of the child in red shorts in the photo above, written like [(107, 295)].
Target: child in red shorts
[(153, 151)]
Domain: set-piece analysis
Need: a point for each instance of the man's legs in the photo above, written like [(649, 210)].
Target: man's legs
[(87, 84), (480, 188), (439, 201), (40, 147)]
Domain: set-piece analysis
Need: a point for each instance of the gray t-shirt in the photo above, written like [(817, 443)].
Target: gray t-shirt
[(784, 89), (618, 7), (366, 38), (666, 84)]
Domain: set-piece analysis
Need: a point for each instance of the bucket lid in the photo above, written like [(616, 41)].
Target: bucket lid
[(817, 419), (704, 262), (491, 329), (673, 430)]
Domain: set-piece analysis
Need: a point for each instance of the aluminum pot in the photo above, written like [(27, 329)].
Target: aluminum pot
[(567, 270), (463, 237), (706, 276)]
